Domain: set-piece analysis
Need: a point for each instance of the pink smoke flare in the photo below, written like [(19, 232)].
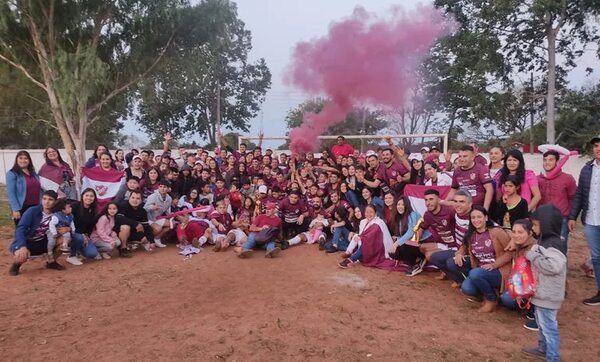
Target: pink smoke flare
[(363, 60)]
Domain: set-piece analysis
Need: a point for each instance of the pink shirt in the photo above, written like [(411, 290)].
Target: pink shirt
[(343, 149), (529, 183)]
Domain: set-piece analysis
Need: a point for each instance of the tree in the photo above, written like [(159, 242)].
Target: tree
[(182, 96), (84, 55), (360, 121), (533, 33)]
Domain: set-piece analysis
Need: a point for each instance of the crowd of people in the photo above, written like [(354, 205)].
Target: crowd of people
[(480, 214)]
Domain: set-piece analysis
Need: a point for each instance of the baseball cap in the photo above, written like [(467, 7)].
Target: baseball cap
[(271, 205), (370, 153), (425, 148), (137, 156), (415, 156), (262, 189), (434, 148), (595, 139)]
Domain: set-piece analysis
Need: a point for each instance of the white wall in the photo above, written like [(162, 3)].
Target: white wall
[(533, 162)]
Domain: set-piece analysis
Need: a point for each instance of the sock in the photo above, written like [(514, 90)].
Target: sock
[(202, 240), (295, 240)]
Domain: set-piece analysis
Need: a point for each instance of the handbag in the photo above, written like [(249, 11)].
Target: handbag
[(521, 283)]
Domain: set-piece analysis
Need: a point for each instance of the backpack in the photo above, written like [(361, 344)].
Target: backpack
[(521, 283)]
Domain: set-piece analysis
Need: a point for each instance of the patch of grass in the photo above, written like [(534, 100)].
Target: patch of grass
[(5, 215)]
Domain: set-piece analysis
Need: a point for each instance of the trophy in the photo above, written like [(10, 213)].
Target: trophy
[(417, 231)]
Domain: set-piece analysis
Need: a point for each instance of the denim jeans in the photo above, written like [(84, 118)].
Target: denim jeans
[(508, 302), (549, 339), (339, 239), (88, 251), (482, 282), (445, 261), (352, 198), (357, 255), (592, 234), (564, 231), (251, 243)]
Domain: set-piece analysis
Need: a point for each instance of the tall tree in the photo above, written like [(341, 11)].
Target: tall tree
[(85, 54), (533, 33), (182, 97)]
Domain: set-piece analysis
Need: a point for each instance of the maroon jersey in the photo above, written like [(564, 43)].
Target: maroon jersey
[(224, 219), (472, 181), (441, 225), (482, 248), (291, 213)]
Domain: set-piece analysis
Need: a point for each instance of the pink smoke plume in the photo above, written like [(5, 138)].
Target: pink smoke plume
[(363, 60)]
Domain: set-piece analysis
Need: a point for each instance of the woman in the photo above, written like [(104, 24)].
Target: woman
[(522, 239), (512, 207), (105, 162), (368, 199), (389, 211), (190, 200), (120, 160), (94, 160), (497, 154), (136, 168), (374, 240), (340, 229), (404, 249), (434, 176), (417, 174), (84, 217), (213, 168), (23, 187), (514, 164), (150, 183), (486, 246), (56, 175)]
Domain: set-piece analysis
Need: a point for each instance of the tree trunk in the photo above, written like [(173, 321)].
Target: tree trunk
[(452, 118), (551, 91)]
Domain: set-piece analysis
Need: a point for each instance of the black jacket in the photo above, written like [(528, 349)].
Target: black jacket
[(582, 196)]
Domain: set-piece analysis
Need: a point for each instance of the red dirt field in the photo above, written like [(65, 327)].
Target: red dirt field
[(299, 307)]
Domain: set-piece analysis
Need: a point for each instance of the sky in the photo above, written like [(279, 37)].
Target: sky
[(278, 25)]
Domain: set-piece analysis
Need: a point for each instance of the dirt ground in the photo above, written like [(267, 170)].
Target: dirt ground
[(298, 307)]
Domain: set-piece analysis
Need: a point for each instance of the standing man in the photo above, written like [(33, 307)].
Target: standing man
[(587, 202), (341, 148), (473, 177), (558, 190), (159, 204)]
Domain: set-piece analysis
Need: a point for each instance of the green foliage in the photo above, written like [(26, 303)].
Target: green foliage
[(182, 96)]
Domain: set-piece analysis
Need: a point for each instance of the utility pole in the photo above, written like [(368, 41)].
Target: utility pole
[(531, 115), (218, 111)]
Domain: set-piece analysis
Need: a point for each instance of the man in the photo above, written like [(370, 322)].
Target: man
[(558, 190), (341, 148), (394, 173), (262, 222), (440, 220), (425, 152), (230, 232), (159, 204), (445, 259), (294, 213), (587, 202), (132, 224), (472, 177), (30, 235)]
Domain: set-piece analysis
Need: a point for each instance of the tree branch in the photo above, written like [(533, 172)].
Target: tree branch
[(24, 71), (95, 108)]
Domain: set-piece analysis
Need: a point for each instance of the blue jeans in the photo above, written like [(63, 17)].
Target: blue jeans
[(508, 302), (445, 261), (357, 255), (564, 231), (88, 251), (592, 234), (549, 340), (339, 239), (251, 243), (352, 198), (482, 282)]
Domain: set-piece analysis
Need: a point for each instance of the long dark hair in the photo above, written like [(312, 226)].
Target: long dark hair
[(95, 155), (93, 206), (400, 222), (489, 224), (147, 181), (16, 169), (417, 177), (105, 209), (504, 172), (60, 159)]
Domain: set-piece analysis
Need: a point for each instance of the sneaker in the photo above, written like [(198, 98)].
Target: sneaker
[(73, 260), (159, 244), (534, 352), (322, 244), (530, 315), (595, 300), (14, 269), (55, 266), (531, 325), (245, 254), (124, 253), (98, 257), (345, 264), (105, 255), (332, 249), (147, 246), (273, 253), (418, 268)]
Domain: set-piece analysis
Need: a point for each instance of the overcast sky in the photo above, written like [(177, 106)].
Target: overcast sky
[(278, 25)]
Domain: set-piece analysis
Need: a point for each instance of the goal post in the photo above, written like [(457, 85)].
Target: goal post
[(419, 139)]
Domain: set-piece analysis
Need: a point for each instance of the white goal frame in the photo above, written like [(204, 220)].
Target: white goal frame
[(443, 136)]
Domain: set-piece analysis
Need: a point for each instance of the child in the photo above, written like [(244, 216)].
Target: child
[(549, 264), (314, 234), (104, 236), (62, 217), (512, 207)]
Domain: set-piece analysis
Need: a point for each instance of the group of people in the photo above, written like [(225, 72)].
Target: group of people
[(480, 214)]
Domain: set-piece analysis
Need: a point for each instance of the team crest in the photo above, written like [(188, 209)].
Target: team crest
[(473, 176), (101, 190), (488, 243)]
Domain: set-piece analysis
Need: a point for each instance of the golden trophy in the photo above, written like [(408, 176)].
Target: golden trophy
[(417, 232)]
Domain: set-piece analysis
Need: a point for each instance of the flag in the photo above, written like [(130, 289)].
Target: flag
[(106, 184), (416, 195)]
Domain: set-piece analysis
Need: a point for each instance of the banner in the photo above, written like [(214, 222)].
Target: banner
[(106, 184), (416, 194)]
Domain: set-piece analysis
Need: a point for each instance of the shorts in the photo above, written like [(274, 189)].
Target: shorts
[(161, 222), (37, 247), (240, 236)]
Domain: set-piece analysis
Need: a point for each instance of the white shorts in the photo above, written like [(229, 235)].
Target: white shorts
[(240, 236), (161, 222)]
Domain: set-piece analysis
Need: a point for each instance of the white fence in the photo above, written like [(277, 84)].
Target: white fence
[(533, 162)]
